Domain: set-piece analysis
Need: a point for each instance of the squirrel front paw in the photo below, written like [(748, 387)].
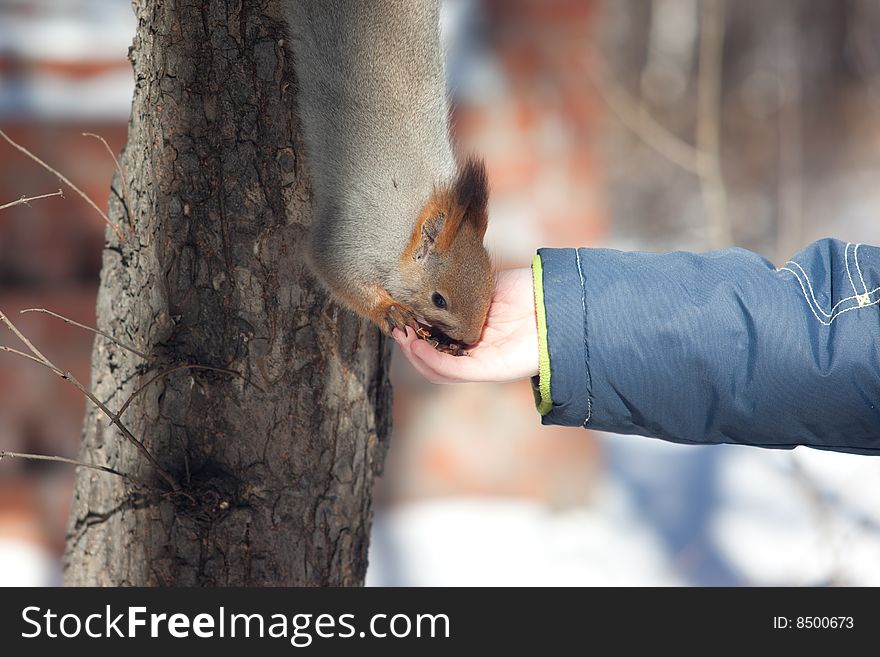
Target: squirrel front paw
[(399, 316)]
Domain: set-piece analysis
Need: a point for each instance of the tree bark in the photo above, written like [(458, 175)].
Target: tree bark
[(274, 468)]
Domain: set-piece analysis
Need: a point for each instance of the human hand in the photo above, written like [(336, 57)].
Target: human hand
[(508, 349)]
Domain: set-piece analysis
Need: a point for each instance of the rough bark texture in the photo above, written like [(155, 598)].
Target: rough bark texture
[(277, 481)]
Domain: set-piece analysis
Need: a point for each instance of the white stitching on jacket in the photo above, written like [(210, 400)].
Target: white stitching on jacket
[(846, 262), (816, 303), (862, 300), (859, 269), (577, 254)]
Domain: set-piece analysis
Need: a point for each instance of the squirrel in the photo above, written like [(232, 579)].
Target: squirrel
[(398, 223)]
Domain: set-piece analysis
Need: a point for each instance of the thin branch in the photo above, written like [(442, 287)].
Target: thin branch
[(36, 352), (25, 200), (709, 123), (87, 328), (60, 459), (638, 120), (121, 172), (64, 179), (162, 375), (114, 418), (22, 354)]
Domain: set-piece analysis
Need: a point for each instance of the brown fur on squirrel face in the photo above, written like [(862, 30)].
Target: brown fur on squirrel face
[(446, 257), (398, 224)]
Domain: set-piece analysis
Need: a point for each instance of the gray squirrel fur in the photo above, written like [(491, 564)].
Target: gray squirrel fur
[(372, 100)]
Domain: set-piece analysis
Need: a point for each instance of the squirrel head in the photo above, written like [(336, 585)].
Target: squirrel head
[(447, 270)]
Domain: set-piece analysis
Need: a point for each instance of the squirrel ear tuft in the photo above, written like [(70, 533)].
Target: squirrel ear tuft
[(431, 228), (471, 192)]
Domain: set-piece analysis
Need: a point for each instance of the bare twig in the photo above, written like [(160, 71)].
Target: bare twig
[(21, 353), (60, 459), (25, 200), (121, 172), (64, 179), (709, 123), (87, 328), (39, 357), (162, 375), (67, 376), (636, 118)]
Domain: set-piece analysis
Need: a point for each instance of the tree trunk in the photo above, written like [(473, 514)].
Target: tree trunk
[(274, 467)]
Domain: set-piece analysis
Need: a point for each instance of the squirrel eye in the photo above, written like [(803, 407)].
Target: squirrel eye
[(438, 300)]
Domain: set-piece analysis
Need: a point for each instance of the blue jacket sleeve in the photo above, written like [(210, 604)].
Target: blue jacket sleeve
[(713, 348)]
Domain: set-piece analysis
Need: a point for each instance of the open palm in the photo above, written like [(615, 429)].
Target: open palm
[(508, 349)]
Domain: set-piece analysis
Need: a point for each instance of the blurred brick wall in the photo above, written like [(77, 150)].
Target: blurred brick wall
[(537, 128), (50, 255)]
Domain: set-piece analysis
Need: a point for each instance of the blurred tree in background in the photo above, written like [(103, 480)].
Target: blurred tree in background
[(797, 93)]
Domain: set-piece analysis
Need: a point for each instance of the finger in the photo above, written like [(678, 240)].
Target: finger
[(402, 336), (436, 366), (406, 339), (445, 367)]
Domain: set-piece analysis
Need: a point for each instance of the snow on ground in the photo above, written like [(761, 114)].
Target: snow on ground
[(806, 517), (27, 564), (663, 514), (505, 542)]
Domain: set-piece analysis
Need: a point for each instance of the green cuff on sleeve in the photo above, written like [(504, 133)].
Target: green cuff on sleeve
[(541, 383)]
